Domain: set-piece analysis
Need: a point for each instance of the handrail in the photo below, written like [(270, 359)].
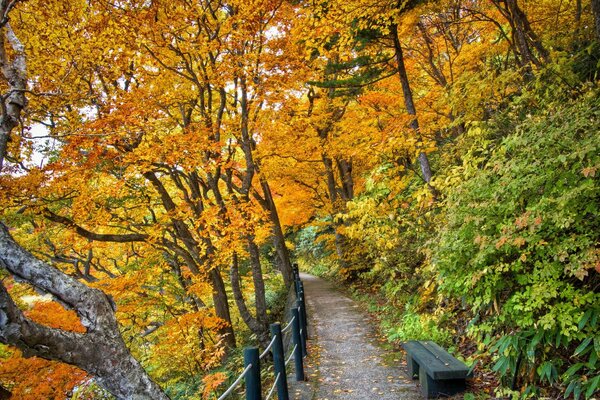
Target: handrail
[(288, 326), (264, 353), (291, 355), (273, 387), (298, 327), (237, 382)]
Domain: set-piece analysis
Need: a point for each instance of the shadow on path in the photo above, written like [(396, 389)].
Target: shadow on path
[(344, 361)]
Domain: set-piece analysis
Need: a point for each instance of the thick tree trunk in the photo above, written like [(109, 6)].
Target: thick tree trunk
[(409, 102), (219, 296), (15, 73), (101, 351)]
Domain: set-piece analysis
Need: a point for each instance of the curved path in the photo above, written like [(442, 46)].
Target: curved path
[(344, 359)]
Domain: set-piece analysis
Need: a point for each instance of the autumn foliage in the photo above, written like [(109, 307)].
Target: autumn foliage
[(179, 156)]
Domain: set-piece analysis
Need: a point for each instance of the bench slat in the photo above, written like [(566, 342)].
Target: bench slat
[(438, 363)]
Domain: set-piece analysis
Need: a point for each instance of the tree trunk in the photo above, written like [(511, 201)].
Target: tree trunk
[(596, 13), (283, 254), (259, 285), (409, 103), (524, 37), (101, 351), (219, 296), (219, 293), (255, 326), (15, 74)]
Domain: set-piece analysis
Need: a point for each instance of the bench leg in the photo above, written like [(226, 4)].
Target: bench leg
[(436, 388), (413, 367)]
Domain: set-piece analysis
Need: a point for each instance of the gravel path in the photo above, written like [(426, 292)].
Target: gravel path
[(344, 359)]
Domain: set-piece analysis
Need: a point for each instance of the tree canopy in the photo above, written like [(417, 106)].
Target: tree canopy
[(163, 164)]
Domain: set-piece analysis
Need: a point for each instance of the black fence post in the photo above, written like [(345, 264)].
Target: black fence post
[(279, 362), (300, 307), (301, 296), (297, 283), (253, 390), (296, 273), (296, 338)]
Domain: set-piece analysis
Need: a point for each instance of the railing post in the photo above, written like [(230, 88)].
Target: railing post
[(296, 338), (296, 273), (253, 390), (279, 362), (301, 296), (302, 324), (297, 283)]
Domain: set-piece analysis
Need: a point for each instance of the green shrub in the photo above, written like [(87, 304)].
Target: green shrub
[(521, 247)]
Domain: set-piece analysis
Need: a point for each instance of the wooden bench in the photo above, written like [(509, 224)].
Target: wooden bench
[(439, 373)]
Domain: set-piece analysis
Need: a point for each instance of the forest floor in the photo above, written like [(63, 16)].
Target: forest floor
[(346, 359)]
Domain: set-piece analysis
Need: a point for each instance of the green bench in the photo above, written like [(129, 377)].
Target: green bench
[(439, 373)]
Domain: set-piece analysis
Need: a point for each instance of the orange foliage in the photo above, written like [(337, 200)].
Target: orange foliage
[(35, 378), (52, 314)]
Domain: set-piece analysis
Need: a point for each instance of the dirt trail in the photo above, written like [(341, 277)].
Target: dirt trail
[(345, 361)]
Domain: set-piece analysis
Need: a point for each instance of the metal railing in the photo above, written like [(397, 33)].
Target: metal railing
[(298, 327)]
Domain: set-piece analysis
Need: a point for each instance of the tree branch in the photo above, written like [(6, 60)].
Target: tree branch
[(99, 237)]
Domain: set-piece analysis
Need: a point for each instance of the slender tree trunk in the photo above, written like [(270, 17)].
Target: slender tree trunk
[(283, 254), (524, 38), (100, 351), (596, 14), (251, 322), (219, 293), (337, 199), (259, 285), (409, 103), (345, 171)]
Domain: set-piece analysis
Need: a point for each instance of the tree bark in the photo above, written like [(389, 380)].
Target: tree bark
[(258, 328), (15, 73), (409, 103), (524, 37), (219, 293), (596, 14), (100, 351), (285, 264), (259, 285)]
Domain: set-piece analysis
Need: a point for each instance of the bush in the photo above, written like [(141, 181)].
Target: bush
[(521, 247)]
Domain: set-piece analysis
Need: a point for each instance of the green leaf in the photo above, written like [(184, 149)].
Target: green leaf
[(592, 360), (577, 391), (545, 370), (582, 346), (586, 316), (501, 365), (572, 369), (593, 385), (570, 388), (533, 344)]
